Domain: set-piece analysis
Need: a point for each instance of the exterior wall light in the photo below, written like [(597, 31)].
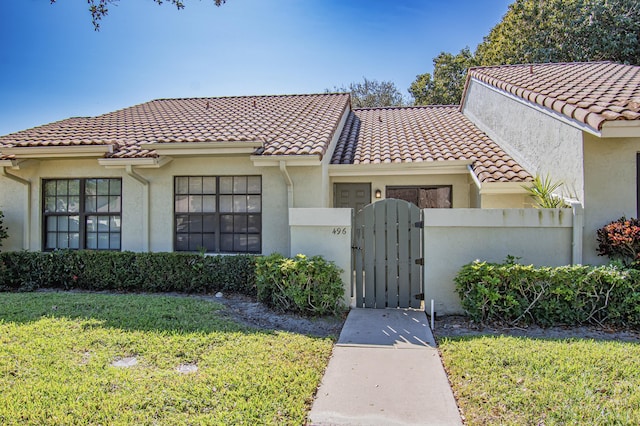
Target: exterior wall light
[(378, 193)]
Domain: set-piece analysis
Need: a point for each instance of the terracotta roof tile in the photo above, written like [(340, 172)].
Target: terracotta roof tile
[(285, 124), (423, 134), (589, 92)]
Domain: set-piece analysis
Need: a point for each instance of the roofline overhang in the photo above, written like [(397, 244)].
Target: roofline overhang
[(497, 188), (9, 163), (290, 160), (206, 148), (414, 168), (620, 129), (143, 163), (64, 151), (548, 111)]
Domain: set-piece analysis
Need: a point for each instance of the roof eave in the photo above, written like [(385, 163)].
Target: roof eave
[(58, 151), (620, 129), (413, 168)]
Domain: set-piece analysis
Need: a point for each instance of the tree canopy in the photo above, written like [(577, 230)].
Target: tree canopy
[(100, 8), (536, 31), (373, 93)]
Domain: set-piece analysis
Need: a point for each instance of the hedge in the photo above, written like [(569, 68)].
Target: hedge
[(567, 295), (127, 271)]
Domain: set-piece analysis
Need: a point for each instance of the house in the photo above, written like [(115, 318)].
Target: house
[(221, 173), (577, 122)]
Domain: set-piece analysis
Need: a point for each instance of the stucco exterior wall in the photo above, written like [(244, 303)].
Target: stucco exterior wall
[(503, 201), (542, 144), (610, 182), (453, 238), (12, 204), (461, 190)]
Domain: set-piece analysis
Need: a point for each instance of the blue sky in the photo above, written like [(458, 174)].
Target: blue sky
[(53, 65)]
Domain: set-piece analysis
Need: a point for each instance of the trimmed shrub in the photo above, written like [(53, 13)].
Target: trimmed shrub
[(567, 295), (620, 240), (127, 271), (305, 285), (3, 231)]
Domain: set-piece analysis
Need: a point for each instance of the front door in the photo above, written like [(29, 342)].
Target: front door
[(351, 195)]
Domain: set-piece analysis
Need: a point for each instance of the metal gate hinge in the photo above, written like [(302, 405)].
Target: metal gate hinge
[(420, 261), (419, 224)]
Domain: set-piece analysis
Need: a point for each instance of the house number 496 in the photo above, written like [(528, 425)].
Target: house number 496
[(339, 231)]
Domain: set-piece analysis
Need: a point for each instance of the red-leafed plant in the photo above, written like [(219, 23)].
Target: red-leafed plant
[(620, 240)]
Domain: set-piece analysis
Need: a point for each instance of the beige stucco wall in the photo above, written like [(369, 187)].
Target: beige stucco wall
[(541, 143), (503, 201), (610, 182), (461, 184), (275, 235), (453, 238)]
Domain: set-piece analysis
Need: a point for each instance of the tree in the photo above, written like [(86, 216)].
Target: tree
[(447, 83), (535, 31), (99, 8), (373, 93)]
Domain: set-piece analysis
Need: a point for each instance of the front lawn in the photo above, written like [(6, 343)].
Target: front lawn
[(523, 381), (57, 354)]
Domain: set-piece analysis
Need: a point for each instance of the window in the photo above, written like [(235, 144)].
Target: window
[(218, 214), (425, 197), (82, 213)]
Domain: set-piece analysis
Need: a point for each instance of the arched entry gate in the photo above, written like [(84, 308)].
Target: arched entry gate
[(387, 250)]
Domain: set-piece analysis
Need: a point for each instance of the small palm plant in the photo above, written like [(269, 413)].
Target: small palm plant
[(542, 192)]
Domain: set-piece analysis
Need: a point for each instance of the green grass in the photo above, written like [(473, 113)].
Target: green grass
[(56, 351), (520, 381)]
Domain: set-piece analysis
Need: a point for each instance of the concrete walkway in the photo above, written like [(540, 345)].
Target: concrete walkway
[(385, 370)]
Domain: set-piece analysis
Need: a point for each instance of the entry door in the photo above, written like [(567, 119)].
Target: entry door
[(352, 195)]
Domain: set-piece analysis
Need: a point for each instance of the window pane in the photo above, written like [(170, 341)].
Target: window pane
[(74, 240), (226, 204), (182, 185), (254, 223), (103, 224), (74, 223), (50, 204), (63, 241), (209, 203), (253, 203), (209, 242), (253, 185), (92, 224), (74, 204), (195, 242), (103, 241), (182, 223), (226, 184), (51, 240), (240, 243), (240, 185), (74, 187), (52, 223), (195, 185), (208, 223), (209, 185), (114, 240), (114, 204), (195, 203), (63, 223), (90, 187), (50, 188), (62, 187), (103, 203), (90, 202), (240, 223), (226, 242), (182, 242), (240, 203), (195, 223), (114, 224), (115, 187), (253, 243), (61, 204), (103, 186), (226, 223), (182, 204)]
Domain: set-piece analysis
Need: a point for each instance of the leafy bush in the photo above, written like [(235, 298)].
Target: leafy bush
[(127, 271), (3, 230), (620, 240), (310, 286), (567, 295)]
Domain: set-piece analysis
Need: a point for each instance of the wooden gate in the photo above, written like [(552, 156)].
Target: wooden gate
[(387, 255)]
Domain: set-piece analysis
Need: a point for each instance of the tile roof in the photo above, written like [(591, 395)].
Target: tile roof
[(423, 134), (589, 92), (285, 124)]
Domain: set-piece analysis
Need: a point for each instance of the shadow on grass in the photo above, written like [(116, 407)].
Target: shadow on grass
[(131, 312)]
